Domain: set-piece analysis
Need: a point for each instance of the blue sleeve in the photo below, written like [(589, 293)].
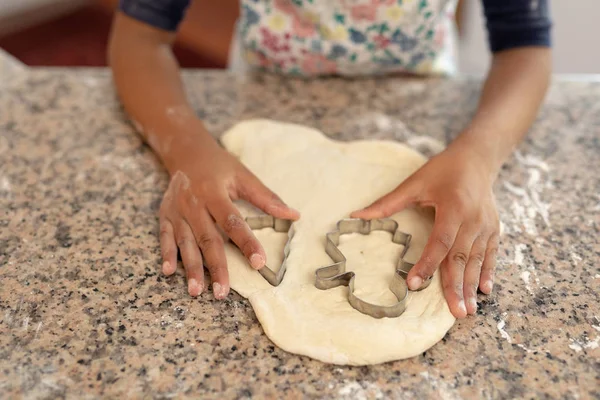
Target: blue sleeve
[(517, 23), (163, 14)]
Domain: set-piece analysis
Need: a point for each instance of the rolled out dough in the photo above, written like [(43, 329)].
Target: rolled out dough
[(326, 180)]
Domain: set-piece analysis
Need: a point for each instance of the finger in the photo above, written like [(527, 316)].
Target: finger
[(447, 276), (213, 251), (233, 225), (168, 248), (439, 244), (488, 269), (192, 260), (473, 271), (255, 192), (454, 273), (396, 200)]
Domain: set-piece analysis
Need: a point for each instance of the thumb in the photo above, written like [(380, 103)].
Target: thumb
[(256, 193), (403, 196)]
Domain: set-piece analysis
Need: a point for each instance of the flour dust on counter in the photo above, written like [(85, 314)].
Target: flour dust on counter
[(326, 180)]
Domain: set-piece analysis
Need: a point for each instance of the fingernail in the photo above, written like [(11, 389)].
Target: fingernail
[(415, 282), (488, 286), (166, 267), (192, 287), (473, 304), (461, 306), (218, 290), (257, 261)]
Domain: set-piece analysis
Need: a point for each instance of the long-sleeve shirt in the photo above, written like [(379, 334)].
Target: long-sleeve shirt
[(358, 37)]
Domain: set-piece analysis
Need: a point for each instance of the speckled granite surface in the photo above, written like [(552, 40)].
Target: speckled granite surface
[(85, 312)]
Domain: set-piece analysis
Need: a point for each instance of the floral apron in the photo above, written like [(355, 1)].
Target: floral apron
[(346, 37)]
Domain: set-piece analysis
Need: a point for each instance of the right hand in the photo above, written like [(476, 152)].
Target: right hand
[(205, 181)]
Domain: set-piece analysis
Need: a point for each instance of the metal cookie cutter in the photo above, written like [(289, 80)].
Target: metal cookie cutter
[(279, 225), (335, 275)]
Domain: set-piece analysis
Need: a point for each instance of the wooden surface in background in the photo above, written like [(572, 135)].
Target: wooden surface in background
[(80, 39), (207, 28)]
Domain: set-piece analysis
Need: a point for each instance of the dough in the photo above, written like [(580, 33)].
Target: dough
[(326, 180)]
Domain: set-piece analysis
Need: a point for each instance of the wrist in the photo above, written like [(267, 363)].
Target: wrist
[(484, 156), (183, 145)]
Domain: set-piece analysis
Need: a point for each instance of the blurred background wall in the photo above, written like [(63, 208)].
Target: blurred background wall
[(575, 35), (18, 14), (74, 33)]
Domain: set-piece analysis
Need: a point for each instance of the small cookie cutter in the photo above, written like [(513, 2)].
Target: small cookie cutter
[(335, 274), (279, 225)]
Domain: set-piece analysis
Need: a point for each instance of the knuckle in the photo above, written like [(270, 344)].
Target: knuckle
[(168, 254), (429, 266), (208, 242), (471, 290), (168, 251), (180, 180), (460, 259), (183, 241), (486, 271), (489, 268), (165, 230), (166, 204), (459, 208), (477, 259), (461, 201), (480, 220), (275, 198), (490, 258), (233, 223), (494, 243), (182, 201), (384, 205), (444, 239), (243, 184), (458, 288), (490, 274)]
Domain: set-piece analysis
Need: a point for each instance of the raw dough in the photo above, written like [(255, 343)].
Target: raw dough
[(326, 180)]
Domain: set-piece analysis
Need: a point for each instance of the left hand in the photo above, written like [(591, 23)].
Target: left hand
[(457, 183)]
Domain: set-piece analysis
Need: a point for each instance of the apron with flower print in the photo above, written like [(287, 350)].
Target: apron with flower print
[(347, 37)]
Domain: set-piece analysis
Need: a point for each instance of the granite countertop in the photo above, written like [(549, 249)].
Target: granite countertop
[(85, 311)]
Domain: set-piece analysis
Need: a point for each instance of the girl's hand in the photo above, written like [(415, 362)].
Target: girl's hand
[(204, 182), (457, 183)]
